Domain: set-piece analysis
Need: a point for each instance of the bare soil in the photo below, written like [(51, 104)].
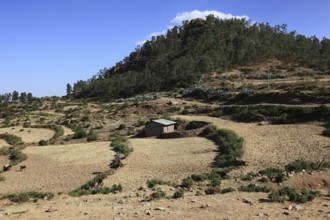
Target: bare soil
[(29, 135)]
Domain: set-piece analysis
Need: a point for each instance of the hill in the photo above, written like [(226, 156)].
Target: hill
[(190, 52)]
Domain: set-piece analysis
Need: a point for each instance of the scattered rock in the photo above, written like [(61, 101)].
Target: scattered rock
[(298, 207), (246, 200), (148, 212), (263, 123), (204, 206), (160, 209), (193, 201), (117, 218), (50, 209), (327, 216), (290, 207), (260, 214), (146, 204)]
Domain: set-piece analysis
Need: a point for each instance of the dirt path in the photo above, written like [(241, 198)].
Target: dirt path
[(275, 145), (166, 159), (58, 168)]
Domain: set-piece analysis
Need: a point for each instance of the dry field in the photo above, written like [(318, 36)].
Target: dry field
[(165, 159), (58, 168), (275, 145), (29, 135)]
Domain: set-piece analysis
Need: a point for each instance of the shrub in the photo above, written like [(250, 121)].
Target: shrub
[(2, 178), (254, 188), (227, 190), (16, 156), (92, 135), (326, 132), (274, 174), (209, 130), (157, 195), (299, 165), (120, 145), (79, 133), (11, 139), (27, 196), (153, 182), (290, 194), (178, 194), (187, 183), (42, 143), (122, 127), (213, 190)]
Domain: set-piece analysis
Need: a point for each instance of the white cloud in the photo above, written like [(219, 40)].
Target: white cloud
[(183, 16)]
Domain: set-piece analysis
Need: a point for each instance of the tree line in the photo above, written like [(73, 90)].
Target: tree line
[(15, 96), (185, 53)]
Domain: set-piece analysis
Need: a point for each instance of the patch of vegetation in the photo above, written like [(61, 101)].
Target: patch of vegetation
[(94, 186), (92, 135), (120, 145), (274, 174), (230, 146), (157, 195), (187, 183), (28, 196), (290, 194), (227, 190), (43, 143), (178, 194), (16, 156), (153, 182), (121, 127), (2, 178), (11, 139), (300, 165), (254, 188), (213, 190), (326, 132), (79, 133)]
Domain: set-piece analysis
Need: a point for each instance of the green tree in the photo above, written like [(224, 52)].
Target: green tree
[(15, 96), (23, 97), (29, 97), (68, 89)]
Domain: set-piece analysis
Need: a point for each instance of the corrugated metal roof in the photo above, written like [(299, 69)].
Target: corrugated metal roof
[(164, 121)]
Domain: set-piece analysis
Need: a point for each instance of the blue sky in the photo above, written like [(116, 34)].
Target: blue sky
[(45, 44)]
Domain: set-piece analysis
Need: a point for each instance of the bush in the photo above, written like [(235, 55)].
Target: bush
[(153, 182), (178, 194), (27, 196), (254, 188), (122, 127), (274, 174), (213, 190), (157, 195), (79, 133), (92, 135), (299, 165), (43, 143), (326, 132), (16, 156), (2, 178), (290, 194), (227, 190), (11, 139), (187, 183)]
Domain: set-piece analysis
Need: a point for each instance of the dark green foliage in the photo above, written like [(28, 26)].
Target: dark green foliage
[(11, 139), (153, 182), (227, 190), (120, 145), (299, 165), (94, 186), (290, 194), (211, 129), (79, 133), (16, 156), (213, 190), (178, 194), (326, 132), (43, 143), (157, 195), (2, 178), (185, 53), (92, 135), (275, 174), (122, 127), (195, 124), (254, 188), (27, 196), (187, 183)]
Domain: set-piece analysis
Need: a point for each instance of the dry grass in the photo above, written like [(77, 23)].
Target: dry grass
[(3, 143), (166, 159), (58, 168), (29, 135)]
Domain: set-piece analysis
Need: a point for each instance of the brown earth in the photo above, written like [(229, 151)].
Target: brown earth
[(57, 168), (29, 135)]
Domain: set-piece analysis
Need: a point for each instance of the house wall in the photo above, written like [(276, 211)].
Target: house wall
[(153, 129), (169, 129)]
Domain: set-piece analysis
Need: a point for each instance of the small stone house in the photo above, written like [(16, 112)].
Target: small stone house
[(158, 127)]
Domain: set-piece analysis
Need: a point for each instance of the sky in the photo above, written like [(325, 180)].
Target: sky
[(45, 44)]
